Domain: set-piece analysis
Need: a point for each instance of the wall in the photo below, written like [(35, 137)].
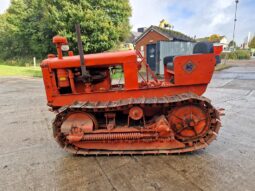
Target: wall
[(176, 48), (151, 37)]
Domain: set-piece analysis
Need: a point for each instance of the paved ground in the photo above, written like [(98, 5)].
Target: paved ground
[(31, 160)]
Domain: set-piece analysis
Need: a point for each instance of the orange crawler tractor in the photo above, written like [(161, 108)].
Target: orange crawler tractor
[(138, 115)]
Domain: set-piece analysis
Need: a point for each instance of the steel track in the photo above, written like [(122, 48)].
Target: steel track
[(166, 101)]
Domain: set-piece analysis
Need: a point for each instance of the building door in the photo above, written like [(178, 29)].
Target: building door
[(151, 56)]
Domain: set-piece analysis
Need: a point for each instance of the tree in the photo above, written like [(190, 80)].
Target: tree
[(232, 44), (10, 30), (252, 43), (214, 38), (29, 25)]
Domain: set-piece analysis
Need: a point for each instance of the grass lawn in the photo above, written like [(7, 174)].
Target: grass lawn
[(6, 70)]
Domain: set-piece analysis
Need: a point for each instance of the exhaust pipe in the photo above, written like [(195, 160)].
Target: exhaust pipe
[(85, 76)]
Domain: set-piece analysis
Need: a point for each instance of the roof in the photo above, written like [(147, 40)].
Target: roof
[(170, 34), (133, 37), (206, 39), (136, 34)]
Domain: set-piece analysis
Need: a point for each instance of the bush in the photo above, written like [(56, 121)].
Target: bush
[(236, 55)]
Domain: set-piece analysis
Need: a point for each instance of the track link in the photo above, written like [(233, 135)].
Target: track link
[(166, 101)]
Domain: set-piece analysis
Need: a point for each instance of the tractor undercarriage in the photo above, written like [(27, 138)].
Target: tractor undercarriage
[(169, 124)]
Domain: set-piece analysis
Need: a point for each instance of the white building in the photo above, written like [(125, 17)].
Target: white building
[(224, 42), (247, 40)]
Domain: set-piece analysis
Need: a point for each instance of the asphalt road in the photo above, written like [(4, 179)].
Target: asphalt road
[(31, 160)]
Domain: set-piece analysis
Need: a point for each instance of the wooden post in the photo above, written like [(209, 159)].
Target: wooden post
[(34, 61)]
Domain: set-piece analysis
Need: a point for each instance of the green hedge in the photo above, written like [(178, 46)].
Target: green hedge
[(236, 55), (19, 62)]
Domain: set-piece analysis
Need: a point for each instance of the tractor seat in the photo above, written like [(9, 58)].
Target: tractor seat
[(169, 68), (206, 48), (203, 48), (169, 62)]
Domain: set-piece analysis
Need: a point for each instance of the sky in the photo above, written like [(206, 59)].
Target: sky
[(4, 4), (198, 18)]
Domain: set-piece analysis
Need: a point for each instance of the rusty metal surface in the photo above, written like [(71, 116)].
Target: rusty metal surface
[(165, 101)]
